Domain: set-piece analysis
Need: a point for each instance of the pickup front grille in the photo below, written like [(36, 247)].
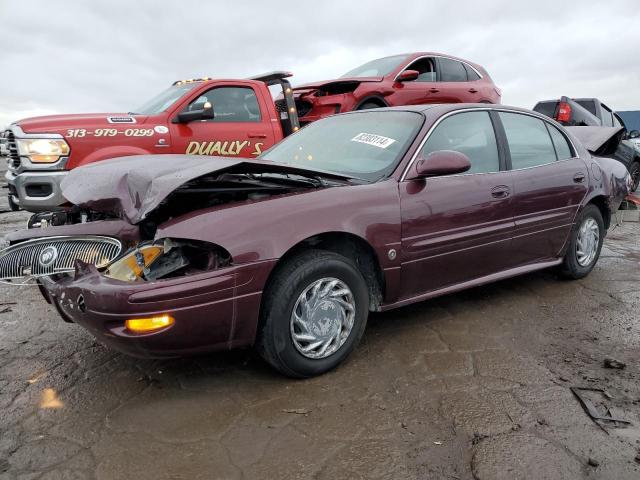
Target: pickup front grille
[(51, 255), (9, 148)]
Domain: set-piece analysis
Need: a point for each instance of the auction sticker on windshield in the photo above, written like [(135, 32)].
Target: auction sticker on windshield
[(373, 139)]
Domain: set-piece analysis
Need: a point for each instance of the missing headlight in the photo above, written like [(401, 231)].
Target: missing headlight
[(168, 258)]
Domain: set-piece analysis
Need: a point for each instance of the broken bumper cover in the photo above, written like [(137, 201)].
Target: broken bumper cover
[(215, 310)]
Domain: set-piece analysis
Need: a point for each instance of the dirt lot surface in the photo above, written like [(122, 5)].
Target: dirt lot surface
[(472, 385)]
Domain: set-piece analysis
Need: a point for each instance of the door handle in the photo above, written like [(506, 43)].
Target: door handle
[(257, 135), (473, 90), (579, 177), (501, 191), (434, 90)]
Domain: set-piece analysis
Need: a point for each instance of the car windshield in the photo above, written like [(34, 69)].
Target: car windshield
[(164, 99), (364, 145), (377, 68)]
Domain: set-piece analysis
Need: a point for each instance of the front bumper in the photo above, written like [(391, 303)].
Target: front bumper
[(215, 310), (36, 191)]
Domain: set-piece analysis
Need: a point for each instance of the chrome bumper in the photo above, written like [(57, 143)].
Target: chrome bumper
[(36, 191)]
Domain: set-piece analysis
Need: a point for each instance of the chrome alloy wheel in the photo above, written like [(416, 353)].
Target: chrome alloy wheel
[(322, 318), (587, 242)]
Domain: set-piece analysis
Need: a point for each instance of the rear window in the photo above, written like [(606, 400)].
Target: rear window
[(529, 141), (588, 104), (452, 71), (546, 108)]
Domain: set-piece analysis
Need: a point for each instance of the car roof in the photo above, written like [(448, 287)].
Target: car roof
[(442, 108)]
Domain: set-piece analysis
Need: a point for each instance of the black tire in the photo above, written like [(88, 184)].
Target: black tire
[(275, 343), (368, 106), (13, 205), (634, 171), (571, 267)]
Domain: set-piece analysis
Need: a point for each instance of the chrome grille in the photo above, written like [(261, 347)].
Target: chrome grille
[(50, 255), (9, 148)]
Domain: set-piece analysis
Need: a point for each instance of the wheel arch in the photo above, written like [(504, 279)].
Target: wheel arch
[(348, 245), (372, 99), (600, 201)]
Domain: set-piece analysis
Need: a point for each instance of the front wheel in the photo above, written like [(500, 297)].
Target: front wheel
[(314, 313), (368, 106), (585, 244)]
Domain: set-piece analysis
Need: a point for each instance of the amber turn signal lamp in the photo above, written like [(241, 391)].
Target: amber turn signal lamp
[(151, 324)]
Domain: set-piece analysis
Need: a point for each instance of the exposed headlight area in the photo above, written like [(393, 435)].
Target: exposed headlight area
[(43, 150), (167, 258)]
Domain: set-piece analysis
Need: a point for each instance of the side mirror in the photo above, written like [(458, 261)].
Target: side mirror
[(407, 76), (205, 114), (441, 162), (634, 134)]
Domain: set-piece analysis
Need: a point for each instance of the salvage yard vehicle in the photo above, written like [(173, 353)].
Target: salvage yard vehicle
[(359, 212), (591, 112), (199, 117), (407, 79)]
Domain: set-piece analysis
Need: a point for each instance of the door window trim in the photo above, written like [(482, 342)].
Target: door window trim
[(437, 69), (405, 172)]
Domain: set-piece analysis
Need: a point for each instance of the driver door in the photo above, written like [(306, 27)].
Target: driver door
[(421, 90), (457, 228), (237, 130)]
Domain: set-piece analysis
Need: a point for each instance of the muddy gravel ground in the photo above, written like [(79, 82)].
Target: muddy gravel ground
[(472, 385)]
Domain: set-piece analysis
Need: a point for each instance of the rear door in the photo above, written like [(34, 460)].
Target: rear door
[(549, 183), (453, 84), (457, 227), (241, 127)]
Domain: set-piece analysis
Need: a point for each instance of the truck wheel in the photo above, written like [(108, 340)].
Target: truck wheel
[(368, 106), (13, 205), (585, 243), (634, 171), (314, 313)]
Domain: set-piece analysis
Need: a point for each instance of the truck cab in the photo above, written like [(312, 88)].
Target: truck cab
[(213, 117)]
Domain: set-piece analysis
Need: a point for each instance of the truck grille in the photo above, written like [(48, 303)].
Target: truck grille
[(9, 148), (47, 256)]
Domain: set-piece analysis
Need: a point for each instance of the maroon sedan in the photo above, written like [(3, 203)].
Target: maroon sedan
[(407, 79), (360, 212)]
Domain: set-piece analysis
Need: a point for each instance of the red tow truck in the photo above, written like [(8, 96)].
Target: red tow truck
[(199, 116)]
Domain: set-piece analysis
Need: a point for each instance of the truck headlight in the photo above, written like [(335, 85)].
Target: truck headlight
[(42, 150)]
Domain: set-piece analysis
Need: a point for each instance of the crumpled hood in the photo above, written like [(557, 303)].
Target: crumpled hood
[(54, 123), (593, 138), (132, 187)]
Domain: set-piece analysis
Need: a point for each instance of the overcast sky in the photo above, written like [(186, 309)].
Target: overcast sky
[(100, 56)]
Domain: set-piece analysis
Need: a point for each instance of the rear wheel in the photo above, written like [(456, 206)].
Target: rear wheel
[(368, 106), (585, 244), (314, 313), (634, 171)]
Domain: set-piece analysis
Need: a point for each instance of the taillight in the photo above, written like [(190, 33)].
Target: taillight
[(564, 112)]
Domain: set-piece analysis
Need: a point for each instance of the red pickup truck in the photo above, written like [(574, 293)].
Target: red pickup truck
[(200, 116)]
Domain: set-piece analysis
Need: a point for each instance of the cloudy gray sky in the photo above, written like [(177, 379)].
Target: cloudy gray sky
[(111, 55)]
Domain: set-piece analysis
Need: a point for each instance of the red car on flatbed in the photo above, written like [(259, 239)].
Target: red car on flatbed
[(406, 79)]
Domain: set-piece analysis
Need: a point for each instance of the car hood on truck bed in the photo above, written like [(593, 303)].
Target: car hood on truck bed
[(325, 83), (132, 187)]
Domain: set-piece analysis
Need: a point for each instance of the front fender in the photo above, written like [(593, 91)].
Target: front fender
[(267, 229), (107, 153)]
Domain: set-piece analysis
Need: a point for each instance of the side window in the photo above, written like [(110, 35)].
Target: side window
[(230, 104), (607, 118), (452, 71), (471, 73), (469, 133), (563, 150), (529, 141), (426, 68)]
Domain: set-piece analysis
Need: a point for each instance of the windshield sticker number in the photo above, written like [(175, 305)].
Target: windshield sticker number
[(373, 139)]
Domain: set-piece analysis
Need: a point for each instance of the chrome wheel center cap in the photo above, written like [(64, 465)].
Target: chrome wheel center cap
[(322, 318)]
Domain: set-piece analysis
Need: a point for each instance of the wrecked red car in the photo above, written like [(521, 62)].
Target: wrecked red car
[(407, 79), (360, 212)]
